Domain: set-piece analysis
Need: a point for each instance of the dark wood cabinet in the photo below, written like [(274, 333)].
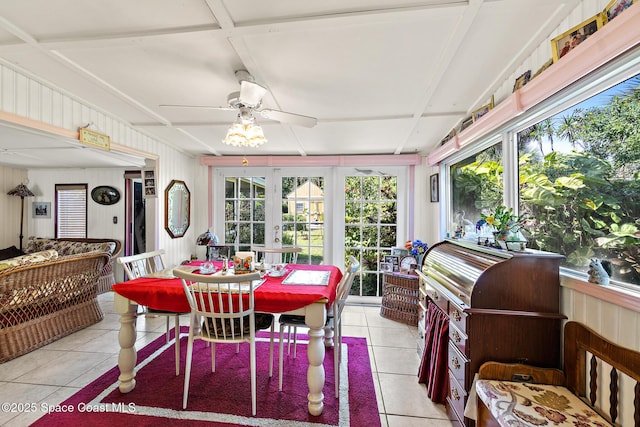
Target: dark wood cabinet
[(502, 306)]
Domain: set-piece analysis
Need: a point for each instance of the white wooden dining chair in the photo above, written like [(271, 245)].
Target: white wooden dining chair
[(226, 304), (276, 255), (334, 321), (144, 264)]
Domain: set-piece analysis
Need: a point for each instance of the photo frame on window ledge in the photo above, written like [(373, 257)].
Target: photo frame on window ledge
[(435, 188)]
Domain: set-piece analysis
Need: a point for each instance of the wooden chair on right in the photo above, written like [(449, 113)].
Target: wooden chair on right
[(599, 380), (276, 255), (334, 321), (145, 264)]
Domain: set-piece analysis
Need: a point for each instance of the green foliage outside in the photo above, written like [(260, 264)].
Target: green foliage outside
[(582, 202)]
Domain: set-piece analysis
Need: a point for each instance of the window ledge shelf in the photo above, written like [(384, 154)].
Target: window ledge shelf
[(617, 295)]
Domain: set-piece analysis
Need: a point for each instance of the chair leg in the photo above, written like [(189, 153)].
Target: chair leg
[(271, 350), (295, 341), (187, 369), (280, 355), (177, 345), (252, 352), (213, 357), (337, 356), (168, 330)]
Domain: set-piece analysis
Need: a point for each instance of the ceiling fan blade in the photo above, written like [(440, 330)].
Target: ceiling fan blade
[(251, 93), (205, 107), (294, 119)]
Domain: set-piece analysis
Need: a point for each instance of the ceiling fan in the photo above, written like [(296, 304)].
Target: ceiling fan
[(248, 101)]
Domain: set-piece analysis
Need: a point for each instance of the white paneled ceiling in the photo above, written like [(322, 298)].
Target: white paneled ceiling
[(381, 76)]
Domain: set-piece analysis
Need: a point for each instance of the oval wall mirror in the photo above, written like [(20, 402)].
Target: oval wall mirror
[(177, 200)]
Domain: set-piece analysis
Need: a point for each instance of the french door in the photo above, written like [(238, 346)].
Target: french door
[(330, 213), (273, 208)]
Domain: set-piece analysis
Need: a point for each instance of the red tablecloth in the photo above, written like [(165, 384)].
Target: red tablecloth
[(270, 297)]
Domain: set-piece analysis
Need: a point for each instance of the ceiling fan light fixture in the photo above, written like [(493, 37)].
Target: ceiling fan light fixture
[(244, 133)]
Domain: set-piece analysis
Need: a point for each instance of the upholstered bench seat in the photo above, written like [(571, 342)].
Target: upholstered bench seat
[(524, 404)]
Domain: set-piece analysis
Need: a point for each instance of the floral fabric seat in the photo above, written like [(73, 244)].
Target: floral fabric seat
[(524, 404)]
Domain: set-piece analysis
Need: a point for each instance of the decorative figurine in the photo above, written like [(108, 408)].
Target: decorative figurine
[(599, 271)]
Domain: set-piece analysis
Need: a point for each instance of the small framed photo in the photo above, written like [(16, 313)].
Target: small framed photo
[(399, 251), (546, 65), (466, 123), (435, 187), (568, 40), (615, 8), (394, 261), (386, 267), (41, 209), (475, 116), (522, 80)]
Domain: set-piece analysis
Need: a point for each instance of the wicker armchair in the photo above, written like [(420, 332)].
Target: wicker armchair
[(45, 301), (71, 246)]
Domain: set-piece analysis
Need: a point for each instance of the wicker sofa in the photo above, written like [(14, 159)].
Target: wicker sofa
[(70, 246), (44, 297)]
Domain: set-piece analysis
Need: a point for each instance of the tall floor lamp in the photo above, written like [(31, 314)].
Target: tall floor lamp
[(22, 191)]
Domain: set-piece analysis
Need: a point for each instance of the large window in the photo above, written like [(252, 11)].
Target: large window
[(71, 210), (476, 186), (579, 181), (573, 171)]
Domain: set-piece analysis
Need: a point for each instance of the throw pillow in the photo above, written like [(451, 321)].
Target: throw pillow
[(10, 252)]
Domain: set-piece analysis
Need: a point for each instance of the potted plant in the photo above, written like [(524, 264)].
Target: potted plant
[(505, 225)]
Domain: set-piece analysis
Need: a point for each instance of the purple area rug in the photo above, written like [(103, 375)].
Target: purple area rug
[(223, 398)]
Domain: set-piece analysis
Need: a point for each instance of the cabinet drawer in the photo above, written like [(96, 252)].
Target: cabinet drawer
[(458, 338), (438, 299), (458, 318), (458, 364), (457, 397)]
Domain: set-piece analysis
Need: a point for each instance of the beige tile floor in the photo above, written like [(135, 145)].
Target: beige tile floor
[(52, 373)]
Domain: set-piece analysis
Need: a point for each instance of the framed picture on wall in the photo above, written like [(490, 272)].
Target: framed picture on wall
[(435, 187), (149, 183), (41, 209)]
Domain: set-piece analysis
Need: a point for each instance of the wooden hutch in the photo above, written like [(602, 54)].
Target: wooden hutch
[(501, 306)]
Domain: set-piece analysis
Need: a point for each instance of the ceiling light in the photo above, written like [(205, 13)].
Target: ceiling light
[(244, 132)]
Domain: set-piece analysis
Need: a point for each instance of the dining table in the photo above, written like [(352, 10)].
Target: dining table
[(302, 289)]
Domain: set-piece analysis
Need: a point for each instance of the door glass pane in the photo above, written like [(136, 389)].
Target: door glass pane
[(370, 227), (244, 212), (303, 216)]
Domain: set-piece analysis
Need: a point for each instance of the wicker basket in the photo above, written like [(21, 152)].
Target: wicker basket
[(400, 298)]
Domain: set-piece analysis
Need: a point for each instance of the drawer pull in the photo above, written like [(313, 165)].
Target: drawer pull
[(455, 362), (435, 297), (454, 394), (456, 336), (456, 316)]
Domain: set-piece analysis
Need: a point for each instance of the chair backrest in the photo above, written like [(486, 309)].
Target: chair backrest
[(342, 291), (227, 300), (142, 264), (277, 255)]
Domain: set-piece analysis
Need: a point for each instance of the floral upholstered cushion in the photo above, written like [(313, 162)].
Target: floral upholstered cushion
[(530, 405), (28, 259), (68, 247)]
